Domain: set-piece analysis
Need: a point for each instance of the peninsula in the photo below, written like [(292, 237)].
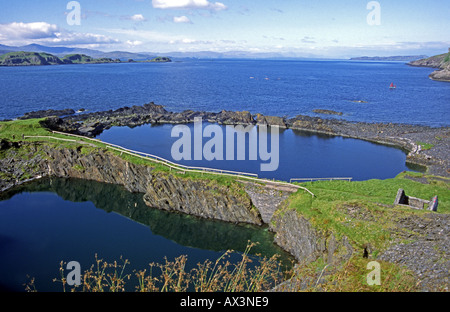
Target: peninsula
[(441, 62), (39, 59)]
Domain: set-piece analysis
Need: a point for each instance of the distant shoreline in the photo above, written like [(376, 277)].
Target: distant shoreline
[(21, 58), (400, 58)]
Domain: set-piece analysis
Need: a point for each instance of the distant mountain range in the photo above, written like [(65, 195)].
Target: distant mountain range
[(124, 55), (400, 58)]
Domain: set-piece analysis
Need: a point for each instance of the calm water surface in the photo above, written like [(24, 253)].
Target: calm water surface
[(54, 220), (301, 155), (280, 88)]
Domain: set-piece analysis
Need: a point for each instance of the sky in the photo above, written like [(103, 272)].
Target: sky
[(293, 28)]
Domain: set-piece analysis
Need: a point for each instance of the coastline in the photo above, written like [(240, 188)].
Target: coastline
[(425, 146)]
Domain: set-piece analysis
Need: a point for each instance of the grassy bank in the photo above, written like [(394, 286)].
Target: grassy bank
[(364, 211)]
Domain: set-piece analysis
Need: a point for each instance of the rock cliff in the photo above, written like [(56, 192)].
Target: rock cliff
[(205, 198), (296, 235), (442, 62)]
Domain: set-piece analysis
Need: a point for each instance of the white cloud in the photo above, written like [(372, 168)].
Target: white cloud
[(188, 4), (36, 30), (134, 43), (71, 38), (138, 18), (181, 19), (45, 33)]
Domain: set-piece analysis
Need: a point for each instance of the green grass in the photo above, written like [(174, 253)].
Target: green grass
[(447, 58), (425, 146), (363, 211), (13, 130)]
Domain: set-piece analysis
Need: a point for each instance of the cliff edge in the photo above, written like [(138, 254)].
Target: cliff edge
[(442, 62)]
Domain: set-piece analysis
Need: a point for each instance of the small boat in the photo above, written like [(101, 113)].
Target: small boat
[(392, 86)]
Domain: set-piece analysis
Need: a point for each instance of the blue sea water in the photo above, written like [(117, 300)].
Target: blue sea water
[(270, 87)]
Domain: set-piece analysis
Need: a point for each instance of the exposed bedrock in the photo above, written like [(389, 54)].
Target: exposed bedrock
[(404, 136), (296, 235), (205, 198)]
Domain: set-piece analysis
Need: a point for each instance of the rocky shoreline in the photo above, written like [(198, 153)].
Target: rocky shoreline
[(426, 146), (441, 62)]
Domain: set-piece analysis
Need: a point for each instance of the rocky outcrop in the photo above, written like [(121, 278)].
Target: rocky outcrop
[(296, 235), (327, 112), (427, 250), (442, 62), (203, 198), (441, 75), (48, 113), (199, 197), (271, 121)]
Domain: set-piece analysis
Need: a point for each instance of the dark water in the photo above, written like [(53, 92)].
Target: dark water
[(291, 88), (301, 155), (54, 220)]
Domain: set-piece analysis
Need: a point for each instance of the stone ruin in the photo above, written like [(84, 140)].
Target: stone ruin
[(415, 203)]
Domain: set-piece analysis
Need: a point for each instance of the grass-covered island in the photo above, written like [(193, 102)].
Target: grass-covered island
[(333, 236), (39, 59)]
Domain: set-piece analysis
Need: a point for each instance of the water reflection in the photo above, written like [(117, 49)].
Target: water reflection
[(183, 229), (301, 154)]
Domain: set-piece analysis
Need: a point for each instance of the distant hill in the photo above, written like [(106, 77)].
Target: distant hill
[(29, 59), (86, 59), (23, 58), (441, 61), (160, 59), (401, 58)]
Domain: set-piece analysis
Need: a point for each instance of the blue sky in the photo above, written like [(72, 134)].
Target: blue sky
[(320, 28)]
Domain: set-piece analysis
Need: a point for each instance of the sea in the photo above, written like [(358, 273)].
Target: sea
[(358, 89)]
